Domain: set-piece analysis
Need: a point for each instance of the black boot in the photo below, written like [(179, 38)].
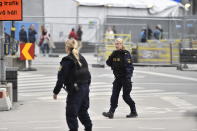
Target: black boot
[(88, 129), (132, 115), (108, 114)]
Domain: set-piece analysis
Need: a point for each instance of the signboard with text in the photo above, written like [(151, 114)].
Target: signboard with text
[(10, 10)]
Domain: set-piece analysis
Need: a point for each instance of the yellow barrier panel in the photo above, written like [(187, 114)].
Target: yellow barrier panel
[(154, 54), (110, 48), (194, 44), (110, 37)]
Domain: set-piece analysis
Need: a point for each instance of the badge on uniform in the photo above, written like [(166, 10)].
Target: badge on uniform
[(129, 60)]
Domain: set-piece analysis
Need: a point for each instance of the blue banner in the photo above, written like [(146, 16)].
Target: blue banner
[(177, 0), (18, 24)]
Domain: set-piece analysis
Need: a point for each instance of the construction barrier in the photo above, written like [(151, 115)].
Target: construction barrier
[(107, 46), (194, 44), (159, 52), (152, 52), (188, 55), (5, 100)]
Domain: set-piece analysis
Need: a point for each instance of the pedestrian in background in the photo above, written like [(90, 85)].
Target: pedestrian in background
[(143, 35), (161, 30), (75, 76), (45, 44), (72, 34), (157, 33), (32, 34), (109, 34), (114, 31), (120, 62), (32, 38), (23, 35), (149, 33), (79, 37)]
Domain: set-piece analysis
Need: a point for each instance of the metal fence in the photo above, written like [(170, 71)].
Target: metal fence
[(183, 30), (94, 30), (173, 28)]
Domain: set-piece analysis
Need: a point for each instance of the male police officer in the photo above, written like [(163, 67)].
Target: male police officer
[(121, 63)]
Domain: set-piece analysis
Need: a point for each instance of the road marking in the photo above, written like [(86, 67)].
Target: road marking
[(97, 86), (106, 75), (36, 80), (151, 128), (162, 84), (29, 76), (180, 103), (99, 94), (3, 129), (35, 84), (22, 88), (100, 83), (122, 118), (43, 128), (102, 127), (167, 75)]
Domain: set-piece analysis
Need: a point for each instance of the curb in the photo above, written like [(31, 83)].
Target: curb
[(156, 65)]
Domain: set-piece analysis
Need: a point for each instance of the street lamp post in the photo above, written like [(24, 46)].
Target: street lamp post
[(77, 15), (2, 61)]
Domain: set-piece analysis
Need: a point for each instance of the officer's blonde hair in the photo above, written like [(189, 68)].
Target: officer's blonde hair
[(73, 47), (119, 40)]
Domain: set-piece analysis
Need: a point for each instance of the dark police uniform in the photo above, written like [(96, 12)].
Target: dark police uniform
[(77, 80), (120, 62)]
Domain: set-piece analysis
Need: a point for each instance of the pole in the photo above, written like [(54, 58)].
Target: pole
[(77, 15), (2, 61), (13, 46)]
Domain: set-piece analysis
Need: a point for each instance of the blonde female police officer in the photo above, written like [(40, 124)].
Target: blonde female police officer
[(76, 78), (120, 62)]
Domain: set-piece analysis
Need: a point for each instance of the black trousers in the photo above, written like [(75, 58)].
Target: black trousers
[(77, 106), (118, 84)]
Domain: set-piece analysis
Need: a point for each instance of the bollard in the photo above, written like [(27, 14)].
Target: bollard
[(11, 77)]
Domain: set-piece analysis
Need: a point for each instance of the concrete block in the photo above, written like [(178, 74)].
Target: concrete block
[(14, 61)]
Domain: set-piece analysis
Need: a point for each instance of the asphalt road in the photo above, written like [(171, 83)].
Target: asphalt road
[(165, 100)]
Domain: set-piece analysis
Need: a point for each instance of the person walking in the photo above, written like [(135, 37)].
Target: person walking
[(23, 35), (72, 34), (75, 76), (120, 62), (79, 37), (45, 42), (32, 39)]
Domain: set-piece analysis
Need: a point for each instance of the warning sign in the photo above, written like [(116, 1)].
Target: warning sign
[(10, 9), (26, 51)]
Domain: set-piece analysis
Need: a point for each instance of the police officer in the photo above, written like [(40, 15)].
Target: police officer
[(75, 76), (121, 63)]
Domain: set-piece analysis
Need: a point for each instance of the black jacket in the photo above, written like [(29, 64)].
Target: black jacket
[(32, 35), (79, 34), (120, 62), (70, 72), (23, 36)]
